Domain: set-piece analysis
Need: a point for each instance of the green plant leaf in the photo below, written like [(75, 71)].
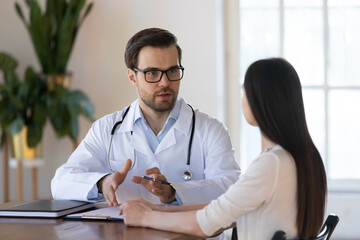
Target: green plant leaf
[(11, 80), (29, 75), (16, 102), (34, 134), (7, 62), (21, 15), (23, 93), (16, 126), (61, 120), (6, 115), (2, 89), (39, 114), (74, 130), (87, 108), (40, 31), (3, 138), (87, 11)]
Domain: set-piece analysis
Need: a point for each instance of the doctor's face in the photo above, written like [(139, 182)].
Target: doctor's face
[(159, 96)]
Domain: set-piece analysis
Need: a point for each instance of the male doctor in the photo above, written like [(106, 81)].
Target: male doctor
[(153, 138)]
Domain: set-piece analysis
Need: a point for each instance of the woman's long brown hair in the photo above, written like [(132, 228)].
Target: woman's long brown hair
[(274, 93)]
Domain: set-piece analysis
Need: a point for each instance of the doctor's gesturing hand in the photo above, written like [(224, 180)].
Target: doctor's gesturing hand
[(109, 183), (166, 193)]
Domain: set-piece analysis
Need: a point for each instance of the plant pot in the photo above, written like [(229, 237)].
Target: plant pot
[(20, 148), (61, 79)]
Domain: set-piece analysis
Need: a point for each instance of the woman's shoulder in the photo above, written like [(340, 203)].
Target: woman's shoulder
[(277, 155), (277, 152), (285, 163)]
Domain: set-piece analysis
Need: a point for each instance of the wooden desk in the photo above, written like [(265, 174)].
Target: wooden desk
[(12, 228)]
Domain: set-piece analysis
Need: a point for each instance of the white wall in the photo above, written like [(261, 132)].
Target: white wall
[(98, 66)]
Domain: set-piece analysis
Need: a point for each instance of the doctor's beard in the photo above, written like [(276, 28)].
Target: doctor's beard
[(162, 106)]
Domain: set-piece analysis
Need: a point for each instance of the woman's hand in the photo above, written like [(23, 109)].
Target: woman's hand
[(138, 213), (134, 213)]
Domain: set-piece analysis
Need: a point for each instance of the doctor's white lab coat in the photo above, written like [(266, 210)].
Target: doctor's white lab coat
[(212, 159)]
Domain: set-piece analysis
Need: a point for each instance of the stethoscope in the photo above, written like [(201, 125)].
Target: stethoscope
[(187, 173)]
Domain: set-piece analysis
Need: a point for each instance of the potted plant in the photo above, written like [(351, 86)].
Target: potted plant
[(53, 33), (22, 105), (25, 106), (64, 107)]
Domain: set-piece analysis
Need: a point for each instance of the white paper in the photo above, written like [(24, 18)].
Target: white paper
[(109, 212)]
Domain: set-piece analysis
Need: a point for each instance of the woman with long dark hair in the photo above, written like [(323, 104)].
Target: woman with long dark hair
[(283, 188)]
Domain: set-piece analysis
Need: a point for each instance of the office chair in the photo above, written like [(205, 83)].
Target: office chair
[(279, 235), (325, 233)]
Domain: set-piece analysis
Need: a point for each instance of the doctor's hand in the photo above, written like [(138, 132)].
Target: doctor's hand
[(108, 184), (166, 193)]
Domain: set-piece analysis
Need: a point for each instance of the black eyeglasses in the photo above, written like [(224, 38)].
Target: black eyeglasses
[(155, 75)]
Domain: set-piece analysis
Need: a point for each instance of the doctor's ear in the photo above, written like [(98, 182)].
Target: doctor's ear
[(132, 76)]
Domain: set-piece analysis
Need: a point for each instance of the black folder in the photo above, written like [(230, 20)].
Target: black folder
[(45, 208)]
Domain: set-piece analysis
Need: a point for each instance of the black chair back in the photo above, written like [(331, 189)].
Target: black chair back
[(328, 227), (279, 235), (234, 234), (325, 233)]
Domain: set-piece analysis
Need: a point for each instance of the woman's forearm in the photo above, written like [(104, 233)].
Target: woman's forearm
[(181, 219), (182, 222), (181, 208)]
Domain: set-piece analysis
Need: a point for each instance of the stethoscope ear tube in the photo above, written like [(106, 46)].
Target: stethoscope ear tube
[(108, 155), (112, 135), (187, 173), (119, 122)]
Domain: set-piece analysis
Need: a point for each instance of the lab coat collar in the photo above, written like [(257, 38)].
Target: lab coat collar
[(138, 139), (184, 122), (128, 123), (139, 142), (182, 125)]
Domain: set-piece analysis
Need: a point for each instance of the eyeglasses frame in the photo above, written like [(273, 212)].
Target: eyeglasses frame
[(162, 73)]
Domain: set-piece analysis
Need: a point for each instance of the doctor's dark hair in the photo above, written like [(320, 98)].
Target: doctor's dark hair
[(273, 90), (154, 37)]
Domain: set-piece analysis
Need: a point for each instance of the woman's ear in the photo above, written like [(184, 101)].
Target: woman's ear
[(132, 76)]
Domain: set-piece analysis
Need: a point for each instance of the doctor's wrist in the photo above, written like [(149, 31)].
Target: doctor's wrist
[(171, 197), (173, 193), (99, 183)]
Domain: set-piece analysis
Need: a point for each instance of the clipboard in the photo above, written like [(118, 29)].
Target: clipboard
[(101, 214)]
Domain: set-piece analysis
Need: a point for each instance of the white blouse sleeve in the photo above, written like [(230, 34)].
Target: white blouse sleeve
[(254, 188)]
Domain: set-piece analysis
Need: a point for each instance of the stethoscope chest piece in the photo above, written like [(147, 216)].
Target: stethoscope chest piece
[(187, 175)]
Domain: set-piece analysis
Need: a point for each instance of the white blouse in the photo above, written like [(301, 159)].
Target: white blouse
[(261, 202)]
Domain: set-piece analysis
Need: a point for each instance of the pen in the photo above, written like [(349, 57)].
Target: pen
[(155, 180), (95, 217)]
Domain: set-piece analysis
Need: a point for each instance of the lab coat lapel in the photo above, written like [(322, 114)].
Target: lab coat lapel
[(182, 126), (168, 141), (138, 140)]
